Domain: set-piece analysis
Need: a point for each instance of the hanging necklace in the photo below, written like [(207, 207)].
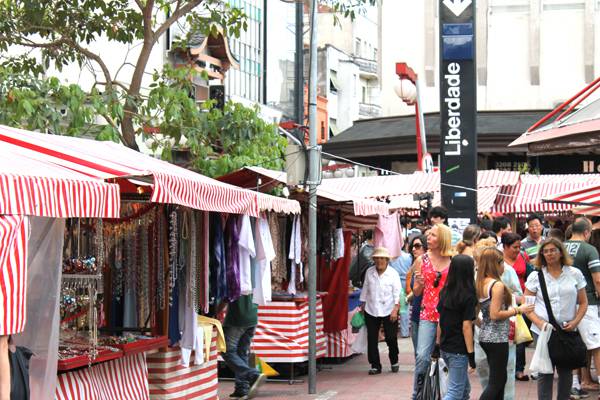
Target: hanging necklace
[(173, 257), (160, 270), (193, 260)]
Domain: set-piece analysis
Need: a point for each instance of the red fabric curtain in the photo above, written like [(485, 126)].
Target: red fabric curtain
[(334, 281)]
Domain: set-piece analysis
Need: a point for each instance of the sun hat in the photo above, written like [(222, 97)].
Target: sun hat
[(381, 252)]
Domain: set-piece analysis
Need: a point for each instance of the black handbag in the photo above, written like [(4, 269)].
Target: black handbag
[(566, 349)]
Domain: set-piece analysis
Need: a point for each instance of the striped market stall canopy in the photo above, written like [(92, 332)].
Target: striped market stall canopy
[(170, 184), (527, 195), (582, 201)]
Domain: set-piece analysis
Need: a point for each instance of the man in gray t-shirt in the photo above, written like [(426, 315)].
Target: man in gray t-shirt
[(531, 244)]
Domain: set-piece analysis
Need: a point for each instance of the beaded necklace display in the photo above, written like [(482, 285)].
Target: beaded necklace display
[(193, 261), (160, 262), (143, 284), (173, 256)]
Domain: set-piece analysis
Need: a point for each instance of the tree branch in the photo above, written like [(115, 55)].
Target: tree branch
[(179, 12), (92, 56)]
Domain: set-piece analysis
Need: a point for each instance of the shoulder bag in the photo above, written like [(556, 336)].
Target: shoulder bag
[(566, 349)]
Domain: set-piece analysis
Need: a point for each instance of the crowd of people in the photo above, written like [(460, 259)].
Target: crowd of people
[(465, 296)]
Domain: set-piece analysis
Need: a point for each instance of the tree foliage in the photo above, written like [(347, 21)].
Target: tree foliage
[(60, 33)]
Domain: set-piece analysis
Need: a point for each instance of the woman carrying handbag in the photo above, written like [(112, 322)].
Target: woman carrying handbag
[(560, 300)]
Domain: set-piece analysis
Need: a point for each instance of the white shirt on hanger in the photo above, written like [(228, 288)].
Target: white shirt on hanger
[(265, 253), (246, 250)]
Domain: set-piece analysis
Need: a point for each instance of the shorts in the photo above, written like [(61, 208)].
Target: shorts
[(589, 328)]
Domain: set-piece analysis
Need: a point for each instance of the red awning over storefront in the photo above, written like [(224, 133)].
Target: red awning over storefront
[(574, 129)]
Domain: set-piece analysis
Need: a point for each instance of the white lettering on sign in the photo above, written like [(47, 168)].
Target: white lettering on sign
[(452, 140)]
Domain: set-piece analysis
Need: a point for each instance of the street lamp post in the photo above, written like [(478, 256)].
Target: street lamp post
[(407, 88)]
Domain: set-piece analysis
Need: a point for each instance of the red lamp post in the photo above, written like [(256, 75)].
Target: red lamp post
[(407, 88)]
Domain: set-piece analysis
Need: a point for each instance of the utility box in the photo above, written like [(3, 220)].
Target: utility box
[(295, 164)]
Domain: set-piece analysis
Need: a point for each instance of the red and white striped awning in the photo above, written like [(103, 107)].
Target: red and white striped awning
[(105, 160), (409, 184), (14, 232), (361, 206), (279, 205), (30, 186), (527, 195), (486, 198), (582, 201)]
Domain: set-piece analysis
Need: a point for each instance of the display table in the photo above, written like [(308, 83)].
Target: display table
[(125, 378), (282, 332), (168, 379)]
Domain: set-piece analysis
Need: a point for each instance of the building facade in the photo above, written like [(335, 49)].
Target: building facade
[(348, 66), (531, 54)]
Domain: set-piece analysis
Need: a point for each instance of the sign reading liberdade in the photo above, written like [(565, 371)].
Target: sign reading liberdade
[(458, 102)]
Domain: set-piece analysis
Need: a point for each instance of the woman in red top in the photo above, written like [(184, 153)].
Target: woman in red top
[(513, 256), (431, 270)]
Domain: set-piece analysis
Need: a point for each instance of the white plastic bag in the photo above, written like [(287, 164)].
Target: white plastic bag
[(443, 374), (361, 343), (541, 362)]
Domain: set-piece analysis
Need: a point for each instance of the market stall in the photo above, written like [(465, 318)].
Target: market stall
[(127, 279), (282, 333)]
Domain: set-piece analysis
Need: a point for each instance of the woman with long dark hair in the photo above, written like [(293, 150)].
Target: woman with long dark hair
[(495, 301), (417, 247), (458, 301)]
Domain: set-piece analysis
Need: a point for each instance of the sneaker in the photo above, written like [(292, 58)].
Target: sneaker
[(577, 394), (395, 368), (254, 385), (238, 395), (374, 371)]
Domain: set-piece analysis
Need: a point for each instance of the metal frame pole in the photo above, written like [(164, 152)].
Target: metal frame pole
[(314, 166)]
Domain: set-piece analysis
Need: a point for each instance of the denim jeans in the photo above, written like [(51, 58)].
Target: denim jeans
[(238, 342), (414, 335), (404, 320), (425, 344), (459, 387)]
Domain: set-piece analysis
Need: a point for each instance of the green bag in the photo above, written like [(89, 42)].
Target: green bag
[(358, 320), (402, 302)]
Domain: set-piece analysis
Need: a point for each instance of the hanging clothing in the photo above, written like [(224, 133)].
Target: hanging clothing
[(174, 332), (388, 234), (218, 261), (334, 281), (246, 251), (265, 254), (192, 338), (338, 247), (232, 236), (278, 265), (216, 324), (295, 255)]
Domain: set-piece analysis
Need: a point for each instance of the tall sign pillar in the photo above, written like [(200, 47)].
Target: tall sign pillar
[(458, 110)]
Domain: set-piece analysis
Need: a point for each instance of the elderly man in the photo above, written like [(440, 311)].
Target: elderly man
[(380, 301)]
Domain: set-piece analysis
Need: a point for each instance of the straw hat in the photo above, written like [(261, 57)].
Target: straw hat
[(381, 252)]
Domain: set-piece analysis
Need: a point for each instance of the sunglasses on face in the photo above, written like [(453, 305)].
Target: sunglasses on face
[(438, 277), (417, 246)]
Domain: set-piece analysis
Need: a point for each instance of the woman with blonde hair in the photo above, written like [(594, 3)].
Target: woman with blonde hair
[(495, 301), (431, 270)]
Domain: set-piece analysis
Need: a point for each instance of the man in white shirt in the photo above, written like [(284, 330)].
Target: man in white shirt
[(380, 301)]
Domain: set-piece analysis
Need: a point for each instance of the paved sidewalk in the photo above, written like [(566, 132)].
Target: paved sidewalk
[(349, 380)]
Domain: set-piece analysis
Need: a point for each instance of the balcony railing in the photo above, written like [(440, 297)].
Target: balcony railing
[(369, 110), (366, 66)]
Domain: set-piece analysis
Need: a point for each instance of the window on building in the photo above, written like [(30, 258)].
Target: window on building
[(374, 53), (334, 86), (323, 130), (364, 95), (357, 47), (333, 129)]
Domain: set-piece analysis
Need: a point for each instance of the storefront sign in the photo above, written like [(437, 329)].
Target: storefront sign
[(458, 108)]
